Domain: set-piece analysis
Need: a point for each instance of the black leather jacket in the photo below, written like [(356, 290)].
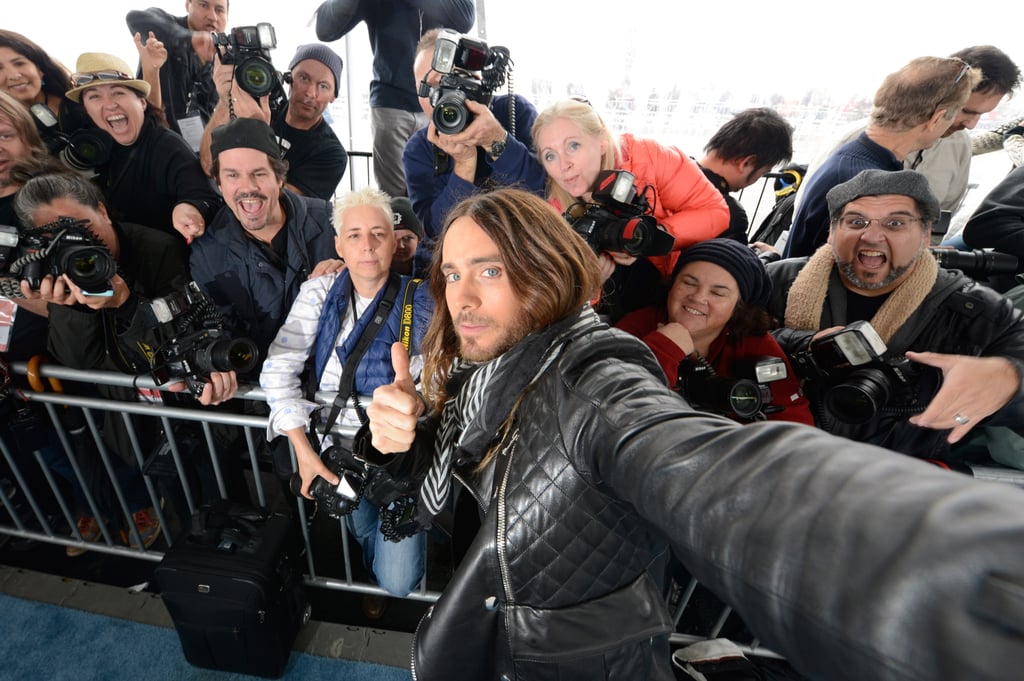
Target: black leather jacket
[(850, 561), (958, 317)]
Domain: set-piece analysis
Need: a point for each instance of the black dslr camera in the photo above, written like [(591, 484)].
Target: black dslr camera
[(745, 398), (363, 475), (336, 500), (62, 247), (192, 342), (459, 60), (248, 49), (618, 218), (857, 379), (86, 148)]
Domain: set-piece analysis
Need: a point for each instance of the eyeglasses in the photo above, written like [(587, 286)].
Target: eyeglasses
[(890, 225), (964, 68), (80, 79)]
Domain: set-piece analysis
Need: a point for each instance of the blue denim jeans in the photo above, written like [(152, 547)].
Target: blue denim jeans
[(397, 567)]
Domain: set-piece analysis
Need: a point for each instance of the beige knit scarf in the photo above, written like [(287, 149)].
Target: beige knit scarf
[(807, 295)]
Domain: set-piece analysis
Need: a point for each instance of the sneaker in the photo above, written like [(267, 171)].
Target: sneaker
[(374, 606), (90, 531), (147, 525)]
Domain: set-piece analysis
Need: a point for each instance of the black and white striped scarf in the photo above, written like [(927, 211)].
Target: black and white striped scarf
[(481, 396)]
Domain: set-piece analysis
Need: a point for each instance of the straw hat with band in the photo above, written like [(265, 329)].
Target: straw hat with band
[(98, 68)]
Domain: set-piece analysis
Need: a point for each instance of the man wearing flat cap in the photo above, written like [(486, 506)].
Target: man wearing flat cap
[(316, 158), (266, 241), (964, 341)]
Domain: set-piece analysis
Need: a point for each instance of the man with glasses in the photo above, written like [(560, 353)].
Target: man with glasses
[(964, 341), (913, 108)]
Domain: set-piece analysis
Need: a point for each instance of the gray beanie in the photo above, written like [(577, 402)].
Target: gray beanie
[(874, 182), (322, 54)]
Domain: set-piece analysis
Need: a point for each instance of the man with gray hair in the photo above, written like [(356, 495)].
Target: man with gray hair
[(912, 109), (947, 162), (877, 268)]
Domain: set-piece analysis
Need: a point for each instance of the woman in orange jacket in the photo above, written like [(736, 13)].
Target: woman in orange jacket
[(574, 145)]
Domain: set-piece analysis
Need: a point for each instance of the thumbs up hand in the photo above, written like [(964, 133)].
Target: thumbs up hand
[(395, 407)]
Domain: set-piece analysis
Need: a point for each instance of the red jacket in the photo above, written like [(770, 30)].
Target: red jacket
[(785, 393), (684, 200)]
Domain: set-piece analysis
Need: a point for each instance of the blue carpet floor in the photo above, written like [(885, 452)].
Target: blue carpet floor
[(47, 642)]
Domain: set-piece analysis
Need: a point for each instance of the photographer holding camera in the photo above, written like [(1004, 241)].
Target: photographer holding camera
[(877, 267), (183, 85), (266, 241), (711, 336), (100, 329), (575, 145), (316, 158), (347, 322), (480, 142), (394, 28)]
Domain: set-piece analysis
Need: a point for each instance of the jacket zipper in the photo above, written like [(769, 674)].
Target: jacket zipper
[(506, 582), (415, 635)]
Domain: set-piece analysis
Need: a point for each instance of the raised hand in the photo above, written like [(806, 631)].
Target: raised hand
[(395, 407), (973, 388)]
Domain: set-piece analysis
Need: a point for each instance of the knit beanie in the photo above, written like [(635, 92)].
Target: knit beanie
[(322, 54), (737, 259), (245, 133), (875, 182), (405, 217)]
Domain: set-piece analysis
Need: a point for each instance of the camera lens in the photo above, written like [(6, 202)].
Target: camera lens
[(225, 354), (90, 268), (450, 113), (86, 149), (859, 397), (745, 398), (256, 76)]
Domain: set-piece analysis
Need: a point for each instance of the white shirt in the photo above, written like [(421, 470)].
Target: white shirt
[(295, 341)]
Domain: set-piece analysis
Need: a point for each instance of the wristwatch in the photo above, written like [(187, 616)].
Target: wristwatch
[(498, 148)]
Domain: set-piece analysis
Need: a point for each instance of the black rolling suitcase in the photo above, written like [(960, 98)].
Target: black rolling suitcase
[(233, 587)]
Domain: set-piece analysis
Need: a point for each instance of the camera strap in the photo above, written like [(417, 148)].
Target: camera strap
[(380, 316)]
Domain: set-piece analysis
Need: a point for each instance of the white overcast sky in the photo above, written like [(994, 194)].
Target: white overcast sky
[(746, 46)]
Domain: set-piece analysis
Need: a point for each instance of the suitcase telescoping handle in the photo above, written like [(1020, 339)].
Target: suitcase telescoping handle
[(223, 519)]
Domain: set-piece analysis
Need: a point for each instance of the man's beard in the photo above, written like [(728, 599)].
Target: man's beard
[(848, 271), (471, 351)]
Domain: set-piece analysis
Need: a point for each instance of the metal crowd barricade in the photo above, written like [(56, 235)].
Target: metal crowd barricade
[(697, 613), (28, 520)]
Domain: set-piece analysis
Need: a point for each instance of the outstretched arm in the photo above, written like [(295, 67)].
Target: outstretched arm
[(335, 18)]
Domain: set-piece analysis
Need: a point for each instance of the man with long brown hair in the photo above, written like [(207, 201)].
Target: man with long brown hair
[(588, 470)]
